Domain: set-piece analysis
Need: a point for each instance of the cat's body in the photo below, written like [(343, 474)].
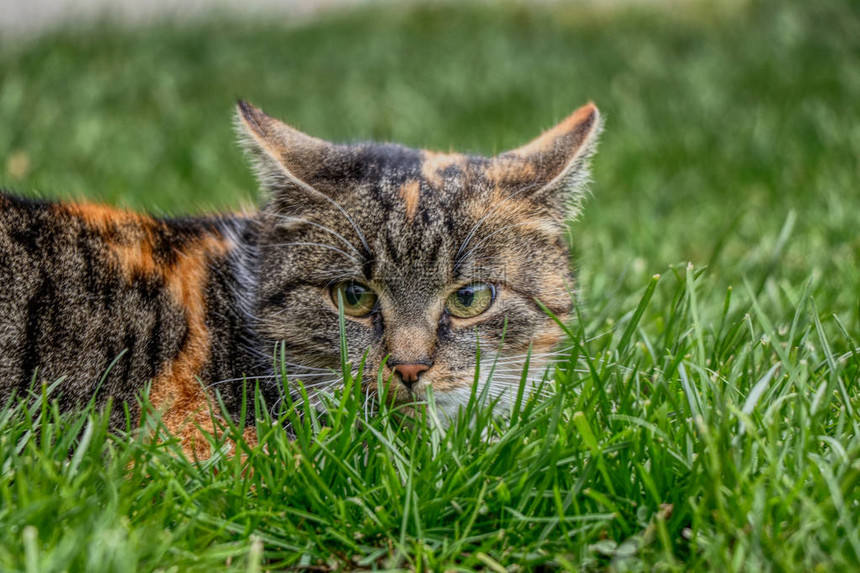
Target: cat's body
[(431, 256), (90, 293)]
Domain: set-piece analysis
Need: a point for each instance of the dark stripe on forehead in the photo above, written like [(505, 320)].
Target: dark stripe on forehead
[(393, 162), (412, 251), (367, 268), (278, 295), (369, 162), (430, 248), (392, 252)]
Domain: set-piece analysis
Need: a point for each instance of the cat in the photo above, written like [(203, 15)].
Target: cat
[(430, 255)]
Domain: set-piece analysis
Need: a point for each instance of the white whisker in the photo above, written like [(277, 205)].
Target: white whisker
[(310, 244), (457, 258), (496, 232), (322, 227)]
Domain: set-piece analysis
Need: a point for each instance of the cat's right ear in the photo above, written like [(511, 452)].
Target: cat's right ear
[(552, 169), (284, 158)]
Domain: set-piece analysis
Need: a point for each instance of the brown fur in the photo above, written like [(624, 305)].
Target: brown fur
[(421, 224), (176, 391), (579, 121), (435, 164), (129, 236), (194, 306), (410, 192), (181, 399)]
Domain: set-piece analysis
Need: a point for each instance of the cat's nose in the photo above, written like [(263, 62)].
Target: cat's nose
[(410, 371)]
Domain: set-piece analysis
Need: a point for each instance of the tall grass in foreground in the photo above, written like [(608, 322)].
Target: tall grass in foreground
[(682, 439), (693, 426)]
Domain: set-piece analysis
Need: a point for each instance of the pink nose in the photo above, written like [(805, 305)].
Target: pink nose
[(409, 372)]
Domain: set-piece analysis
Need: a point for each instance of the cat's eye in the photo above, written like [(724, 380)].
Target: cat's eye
[(358, 299), (470, 300)]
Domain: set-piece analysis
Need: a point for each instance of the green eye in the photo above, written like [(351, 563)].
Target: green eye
[(358, 299), (470, 300)]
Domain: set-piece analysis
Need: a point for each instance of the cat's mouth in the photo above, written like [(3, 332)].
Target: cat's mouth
[(496, 383), (445, 386), (403, 392)]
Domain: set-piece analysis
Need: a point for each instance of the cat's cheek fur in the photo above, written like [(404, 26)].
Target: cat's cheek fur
[(309, 326), (179, 301)]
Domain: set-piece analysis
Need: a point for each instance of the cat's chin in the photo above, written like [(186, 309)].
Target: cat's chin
[(501, 397), (497, 388), (450, 403)]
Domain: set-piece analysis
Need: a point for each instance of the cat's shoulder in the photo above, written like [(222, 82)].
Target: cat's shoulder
[(13, 203)]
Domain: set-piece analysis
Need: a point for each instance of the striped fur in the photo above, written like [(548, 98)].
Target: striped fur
[(196, 304)]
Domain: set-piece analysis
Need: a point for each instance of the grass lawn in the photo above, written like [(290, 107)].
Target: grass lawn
[(705, 419)]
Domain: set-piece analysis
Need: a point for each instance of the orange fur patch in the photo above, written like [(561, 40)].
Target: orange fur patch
[(510, 172), (585, 117), (435, 163), (548, 340), (176, 391), (130, 236), (410, 192)]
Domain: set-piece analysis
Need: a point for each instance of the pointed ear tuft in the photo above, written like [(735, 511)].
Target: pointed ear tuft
[(282, 156), (553, 169)]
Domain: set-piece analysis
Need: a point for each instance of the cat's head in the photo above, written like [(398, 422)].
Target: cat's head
[(432, 255)]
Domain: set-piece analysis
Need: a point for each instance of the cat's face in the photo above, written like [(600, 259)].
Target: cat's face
[(432, 256)]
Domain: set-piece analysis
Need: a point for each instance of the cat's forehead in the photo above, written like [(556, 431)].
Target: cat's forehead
[(406, 172), (417, 207), (430, 192), (293, 165)]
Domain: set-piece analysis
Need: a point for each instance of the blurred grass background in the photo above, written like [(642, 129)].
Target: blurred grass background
[(723, 123), (732, 141), (720, 123)]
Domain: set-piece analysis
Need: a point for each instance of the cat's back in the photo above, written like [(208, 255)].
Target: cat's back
[(23, 222), (29, 231), (85, 288)]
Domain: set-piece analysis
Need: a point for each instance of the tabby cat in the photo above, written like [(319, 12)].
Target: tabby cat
[(429, 254)]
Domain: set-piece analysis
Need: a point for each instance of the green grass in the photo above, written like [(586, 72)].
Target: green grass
[(705, 420)]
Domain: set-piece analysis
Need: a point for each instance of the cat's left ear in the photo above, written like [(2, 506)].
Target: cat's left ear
[(284, 157), (553, 169)]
